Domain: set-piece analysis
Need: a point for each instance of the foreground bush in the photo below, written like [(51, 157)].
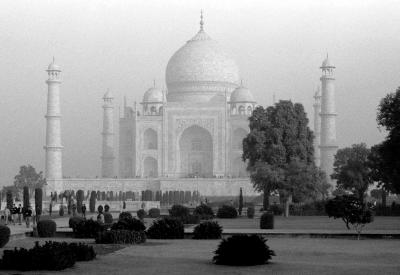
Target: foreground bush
[(204, 211), (250, 212), (50, 256), (88, 229), (243, 250), (154, 213), (125, 215), (191, 219), (267, 221), (108, 218), (179, 211), (131, 224), (207, 230), (227, 212), (141, 214), (166, 228), (46, 228), (121, 236), (73, 221), (4, 235)]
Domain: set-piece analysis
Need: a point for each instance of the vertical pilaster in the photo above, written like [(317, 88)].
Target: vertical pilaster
[(107, 158), (317, 127)]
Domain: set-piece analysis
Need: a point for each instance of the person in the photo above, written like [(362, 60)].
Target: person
[(74, 209), (100, 217), (34, 217), (7, 213), (19, 213), (13, 214), (83, 211), (28, 215)]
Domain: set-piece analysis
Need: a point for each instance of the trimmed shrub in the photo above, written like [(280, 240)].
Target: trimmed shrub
[(204, 211), (191, 219), (267, 221), (141, 214), (80, 196), (46, 228), (207, 230), (179, 211), (250, 212), (92, 201), (38, 201), (166, 228), (83, 252), (88, 229), (243, 250), (4, 235), (129, 224), (121, 236), (154, 213), (108, 218), (50, 256), (9, 199), (227, 212), (125, 215), (73, 221), (276, 209), (26, 203)]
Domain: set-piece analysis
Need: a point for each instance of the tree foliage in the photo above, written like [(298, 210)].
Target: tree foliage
[(279, 151), (352, 170), (351, 210), (28, 176)]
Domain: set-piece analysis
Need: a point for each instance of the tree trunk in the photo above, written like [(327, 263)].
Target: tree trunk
[(266, 199)]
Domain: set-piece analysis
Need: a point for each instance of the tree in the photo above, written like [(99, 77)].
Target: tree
[(26, 203), (39, 201), (388, 166), (92, 201), (28, 176), (352, 170), (351, 210), (79, 199), (10, 201), (278, 149)]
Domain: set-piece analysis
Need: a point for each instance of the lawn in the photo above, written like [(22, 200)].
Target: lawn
[(294, 256)]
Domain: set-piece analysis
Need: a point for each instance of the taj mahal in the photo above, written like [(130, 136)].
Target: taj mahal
[(187, 137)]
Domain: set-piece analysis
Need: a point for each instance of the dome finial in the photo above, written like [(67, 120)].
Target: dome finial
[(201, 21)]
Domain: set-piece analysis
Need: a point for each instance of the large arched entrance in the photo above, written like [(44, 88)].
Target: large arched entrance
[(150, 167), (196, 153)]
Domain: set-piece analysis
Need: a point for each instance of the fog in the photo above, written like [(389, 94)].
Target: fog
[(124, 45)]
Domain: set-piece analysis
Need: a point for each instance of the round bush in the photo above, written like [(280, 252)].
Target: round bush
[(243, 250), (88, 229), (4, 235), (154, 213), (179, 211), (207, 230), (125, 215), (121, 237), (204, 211), (166, 228), (141, 214), (250, 212), (129, 224), (267, 221), (46, 228), (227, 212), (108, 218), (73, 221)]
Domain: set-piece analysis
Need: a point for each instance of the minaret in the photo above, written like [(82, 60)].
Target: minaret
[(53, 145), (317, 127), (107, 158), (328, 114)]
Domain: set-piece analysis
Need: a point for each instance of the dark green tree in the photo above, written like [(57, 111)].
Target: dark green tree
[(38, 202), (240, 208), (278, 149), (352, 171), (28, 176), (385, 160)]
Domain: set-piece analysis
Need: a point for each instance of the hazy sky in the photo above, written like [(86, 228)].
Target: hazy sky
[(124, 45)]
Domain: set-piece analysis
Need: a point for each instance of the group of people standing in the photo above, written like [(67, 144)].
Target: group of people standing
[(16, 214)]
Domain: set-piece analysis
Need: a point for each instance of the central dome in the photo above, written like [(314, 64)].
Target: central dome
[(201, 71)]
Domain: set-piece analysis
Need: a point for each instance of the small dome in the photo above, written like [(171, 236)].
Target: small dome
[(53, 66), (242, 94), (326, 63), (108, 94), (153, 95)]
